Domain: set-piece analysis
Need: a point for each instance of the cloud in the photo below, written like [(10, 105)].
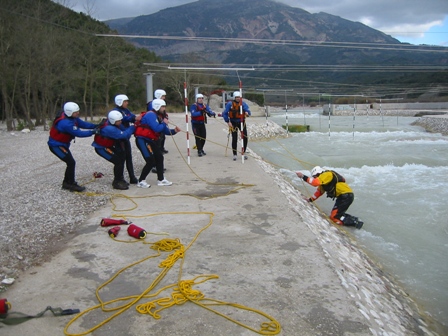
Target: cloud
[(398, 16), (394, 17)]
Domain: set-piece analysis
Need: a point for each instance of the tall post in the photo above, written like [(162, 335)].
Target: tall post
[(186, 122), (329, 113), (149, 87), (354, 113), (241, 122), (381, 112), (286, 115), (303, 109)]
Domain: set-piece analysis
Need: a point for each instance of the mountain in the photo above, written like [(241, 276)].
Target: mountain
[(265, 33)]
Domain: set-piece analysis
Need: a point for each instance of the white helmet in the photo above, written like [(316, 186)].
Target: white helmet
[(236, 94), (199, 95), (157, 104), (159, 93), (316, 171), (119, 99), (114, 116), (70, 108)]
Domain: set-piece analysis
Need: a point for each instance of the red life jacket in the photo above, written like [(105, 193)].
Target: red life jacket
[(144, 131), (202, 116), (234, 112), (101, 139), (55, 134)]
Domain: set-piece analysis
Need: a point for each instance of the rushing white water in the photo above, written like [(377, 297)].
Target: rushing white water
[(399, 174)]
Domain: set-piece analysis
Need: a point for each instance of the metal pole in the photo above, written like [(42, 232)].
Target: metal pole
[(303, 108), (186, 121), (241, 123), (381, 113), (354, 113), (286, 116), (149, 87), (329, 113)]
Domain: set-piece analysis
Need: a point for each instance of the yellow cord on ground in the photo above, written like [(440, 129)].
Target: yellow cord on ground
[(182, 291)]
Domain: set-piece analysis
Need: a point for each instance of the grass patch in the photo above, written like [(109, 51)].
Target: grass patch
[(297, 128)]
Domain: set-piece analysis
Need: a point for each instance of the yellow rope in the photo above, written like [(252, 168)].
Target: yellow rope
[(182, 292)]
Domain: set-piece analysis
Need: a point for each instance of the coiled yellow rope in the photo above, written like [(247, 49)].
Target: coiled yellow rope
[(182, 291)]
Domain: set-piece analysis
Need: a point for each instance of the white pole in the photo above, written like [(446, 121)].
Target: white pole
[(241, 123), (186, 122)]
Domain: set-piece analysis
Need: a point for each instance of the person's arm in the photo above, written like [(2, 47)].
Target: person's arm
[(225, 113), (210, 113), (314, 181), (85, 124), (68, 126), (318, 193), (118, 133), (151, 120), (128, 117), (246, 109)]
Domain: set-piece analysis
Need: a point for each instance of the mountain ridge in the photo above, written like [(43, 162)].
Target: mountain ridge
[(248, 32)]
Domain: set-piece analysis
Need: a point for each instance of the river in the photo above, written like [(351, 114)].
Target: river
[(399, 174)]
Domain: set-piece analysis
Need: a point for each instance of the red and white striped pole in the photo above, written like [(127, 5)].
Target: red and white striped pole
[(186, 122), (241, 122)]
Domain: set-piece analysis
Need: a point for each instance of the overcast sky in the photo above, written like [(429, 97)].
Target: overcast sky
[(413, 21)]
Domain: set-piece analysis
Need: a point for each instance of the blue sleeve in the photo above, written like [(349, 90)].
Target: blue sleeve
[(68, 126), (85, 124), (114, 132), (168, 131), (128, 117), (225, 113), (209, 111), (150, 119), (246, 108)]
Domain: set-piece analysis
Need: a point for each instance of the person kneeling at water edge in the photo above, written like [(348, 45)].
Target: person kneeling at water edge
[(147, 134), (110, 143), (330, 182)]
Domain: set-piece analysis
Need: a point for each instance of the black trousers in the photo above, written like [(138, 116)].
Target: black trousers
[(117, 157), (129, 164), (237, 128), (200, 134), (152, 153), (64, 154)]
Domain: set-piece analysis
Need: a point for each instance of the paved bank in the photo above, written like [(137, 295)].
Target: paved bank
[(272, 252)]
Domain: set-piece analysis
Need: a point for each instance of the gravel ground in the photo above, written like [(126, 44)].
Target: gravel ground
[(37, 215)]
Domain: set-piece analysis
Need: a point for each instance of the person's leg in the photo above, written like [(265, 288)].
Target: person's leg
[(245, 139), (159, 160), (129, 163), (117, 157), (162, 143), (203, 137), (147, 152), (235, 131), (65, 155), (195, 128), (341, 205)]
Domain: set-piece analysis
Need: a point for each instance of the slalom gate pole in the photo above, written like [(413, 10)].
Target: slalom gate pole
[(286, 116), (186, 122), (242, 123), (354, 114), (329, 114)]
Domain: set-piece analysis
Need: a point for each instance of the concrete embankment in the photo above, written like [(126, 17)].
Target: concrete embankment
[(434, 123)]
